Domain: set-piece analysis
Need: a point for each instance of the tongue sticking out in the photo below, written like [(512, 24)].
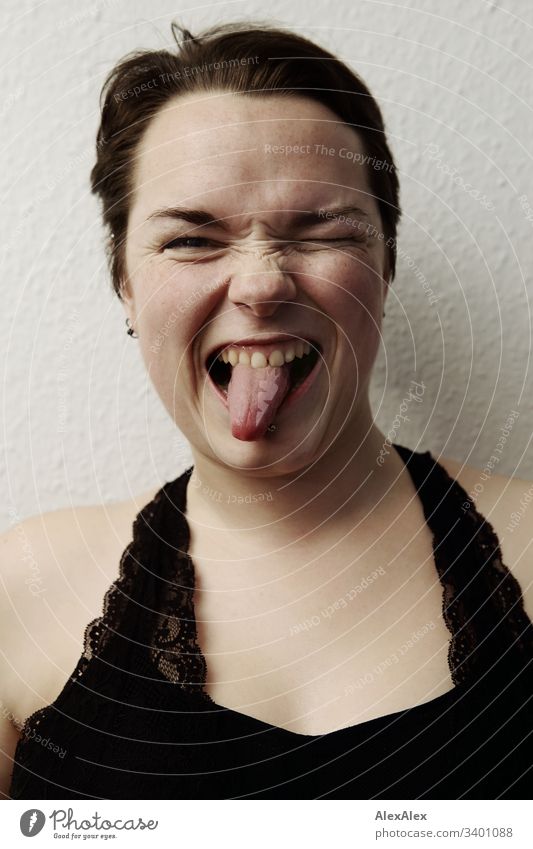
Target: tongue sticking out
[(254, 396)]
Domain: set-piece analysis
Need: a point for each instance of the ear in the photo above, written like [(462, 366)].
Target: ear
[(129, 309), (386, 280), (126, 297), (385, 285)]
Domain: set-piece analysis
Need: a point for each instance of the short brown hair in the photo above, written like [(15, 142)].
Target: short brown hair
[(254, 58)]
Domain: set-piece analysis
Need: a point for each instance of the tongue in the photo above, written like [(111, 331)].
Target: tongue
[(254, 396)]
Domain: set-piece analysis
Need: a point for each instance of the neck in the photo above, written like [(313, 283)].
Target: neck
[(260, 506)]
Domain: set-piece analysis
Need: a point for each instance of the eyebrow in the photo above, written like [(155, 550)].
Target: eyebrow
[(201, 217)]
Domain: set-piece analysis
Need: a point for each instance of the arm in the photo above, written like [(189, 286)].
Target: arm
[(14, 547)]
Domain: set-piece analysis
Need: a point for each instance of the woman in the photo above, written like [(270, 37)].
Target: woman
[(307, 611)]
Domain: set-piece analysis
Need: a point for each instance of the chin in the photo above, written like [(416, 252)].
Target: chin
[(282, 452)]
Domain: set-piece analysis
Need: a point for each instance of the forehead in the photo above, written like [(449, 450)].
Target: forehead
[(249, 153)]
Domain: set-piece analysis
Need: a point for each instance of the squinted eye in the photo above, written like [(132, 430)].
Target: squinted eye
[(354, 240), (186, 242), (197, 242)]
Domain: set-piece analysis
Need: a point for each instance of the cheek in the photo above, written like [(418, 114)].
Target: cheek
[(177, 292), (165, 305), (164, 333), (350, 297), (166, 353), (173, 318), (349, 291)]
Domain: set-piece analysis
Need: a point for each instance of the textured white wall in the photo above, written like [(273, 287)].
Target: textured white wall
[(81, 421)]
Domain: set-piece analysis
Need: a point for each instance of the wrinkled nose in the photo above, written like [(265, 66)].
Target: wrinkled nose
[(260, 283)]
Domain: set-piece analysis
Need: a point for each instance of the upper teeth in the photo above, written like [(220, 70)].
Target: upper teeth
[(284, 353)]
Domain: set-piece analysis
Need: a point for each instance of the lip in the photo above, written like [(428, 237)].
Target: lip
[(264, 340)]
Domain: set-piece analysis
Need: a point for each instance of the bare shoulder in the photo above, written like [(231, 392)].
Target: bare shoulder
[(507, 504), (55, 569), (66, 545)]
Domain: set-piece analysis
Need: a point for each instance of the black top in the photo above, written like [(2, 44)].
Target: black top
[(134, 722)]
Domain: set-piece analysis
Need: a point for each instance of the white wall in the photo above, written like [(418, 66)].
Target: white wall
[(81, 421)]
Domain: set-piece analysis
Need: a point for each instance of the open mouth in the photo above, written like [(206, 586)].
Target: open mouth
[(299, 369)]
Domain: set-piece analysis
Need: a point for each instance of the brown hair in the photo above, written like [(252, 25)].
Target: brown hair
[(256, 59)]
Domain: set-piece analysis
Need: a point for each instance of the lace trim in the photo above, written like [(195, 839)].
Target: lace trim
[(175, 651), (98, 632), (500, 620), (477, 572), (482, 601), (480, 598)]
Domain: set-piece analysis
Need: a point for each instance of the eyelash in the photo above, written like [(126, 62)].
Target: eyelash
[(179, 242), (173, 243)]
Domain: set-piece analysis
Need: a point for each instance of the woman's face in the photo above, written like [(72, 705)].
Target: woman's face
[(265, 267)]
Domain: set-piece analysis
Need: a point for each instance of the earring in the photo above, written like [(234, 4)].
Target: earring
[(131, 331), (383, 313)]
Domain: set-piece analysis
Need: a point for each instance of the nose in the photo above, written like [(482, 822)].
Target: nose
[(260, 284)]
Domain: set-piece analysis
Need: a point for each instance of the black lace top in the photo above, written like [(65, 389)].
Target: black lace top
[(134, 722)]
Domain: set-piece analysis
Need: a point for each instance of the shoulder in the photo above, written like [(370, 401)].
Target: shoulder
[(55, 569), (41, 551), (65, 546), (507, 504)]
